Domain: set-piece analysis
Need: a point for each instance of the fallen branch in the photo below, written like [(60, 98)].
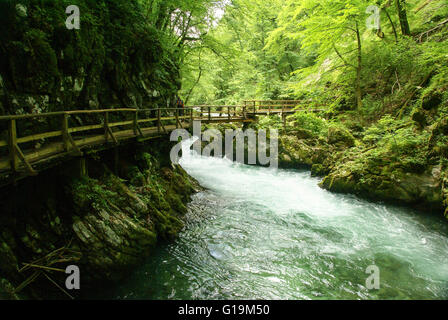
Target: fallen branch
[(44, 265), (28, 281), (58, 286), (396, 82), (422, 6), (432, 30)]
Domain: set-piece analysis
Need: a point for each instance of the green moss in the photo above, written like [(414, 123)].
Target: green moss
[(338, 135), (318, 170), (89, 192)]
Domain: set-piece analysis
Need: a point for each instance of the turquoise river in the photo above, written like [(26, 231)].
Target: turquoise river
[(259, 233)]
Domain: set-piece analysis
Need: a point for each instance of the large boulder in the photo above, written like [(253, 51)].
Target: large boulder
[(340, 137), (388, 184)]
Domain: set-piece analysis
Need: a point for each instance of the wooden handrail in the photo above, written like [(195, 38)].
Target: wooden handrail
[(279, 101), (136, 121), (157, 116)]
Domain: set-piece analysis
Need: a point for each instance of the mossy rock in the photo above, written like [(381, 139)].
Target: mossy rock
[(340, 137), (340, 183), (318, 170), (303, 133)]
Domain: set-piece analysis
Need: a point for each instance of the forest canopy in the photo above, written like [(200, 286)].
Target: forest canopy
[(324, 50)]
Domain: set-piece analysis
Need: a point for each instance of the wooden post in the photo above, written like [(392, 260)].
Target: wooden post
[(228, 113), (65, 133), (106, 126), (22, 157), (191, 116), (12, 142), (83, 167), (244, 113), (158, 120), (177, 118), (135, 127), (108, 130), (209, 113), (67, 138)]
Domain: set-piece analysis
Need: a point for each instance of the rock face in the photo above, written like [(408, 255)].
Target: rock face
[(109, 222), (46, 67)]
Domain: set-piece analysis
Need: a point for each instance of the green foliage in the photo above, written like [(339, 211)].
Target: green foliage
[(311, 122), (89, 192), (309, 49), (384, 127), (371, 107), (237, 60), (399, 141), (270, 122)]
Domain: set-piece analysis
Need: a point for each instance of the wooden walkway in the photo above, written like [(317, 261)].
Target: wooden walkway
[(25, 156)]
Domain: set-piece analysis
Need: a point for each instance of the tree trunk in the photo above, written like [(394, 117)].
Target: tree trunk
[(402, 15), (392, 24), (187, 99), (358, 92)]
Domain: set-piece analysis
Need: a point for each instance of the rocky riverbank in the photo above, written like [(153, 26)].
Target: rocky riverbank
[(397, 161), (106, 221), (393, 161)]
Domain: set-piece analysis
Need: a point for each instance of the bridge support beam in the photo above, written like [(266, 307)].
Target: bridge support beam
[(82, 165)]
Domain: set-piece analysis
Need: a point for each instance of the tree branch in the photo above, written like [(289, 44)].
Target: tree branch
[(342, 58)]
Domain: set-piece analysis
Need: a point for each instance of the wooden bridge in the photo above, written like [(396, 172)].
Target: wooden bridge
[(73, 133)]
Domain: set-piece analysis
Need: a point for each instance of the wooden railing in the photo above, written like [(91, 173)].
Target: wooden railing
[(64, 132), (281, 106), (111, 125), (210, 112)]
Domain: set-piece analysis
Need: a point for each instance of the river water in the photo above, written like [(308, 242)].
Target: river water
[(259, 233)]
